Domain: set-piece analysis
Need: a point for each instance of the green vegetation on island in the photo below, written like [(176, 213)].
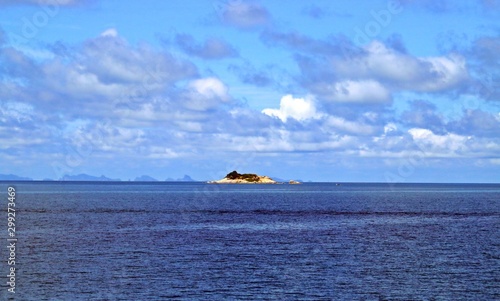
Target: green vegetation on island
[(235, 177)]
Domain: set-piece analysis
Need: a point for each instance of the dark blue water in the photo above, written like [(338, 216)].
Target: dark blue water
[(178, 241)]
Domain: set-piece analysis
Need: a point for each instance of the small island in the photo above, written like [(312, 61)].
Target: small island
[(247, 178)]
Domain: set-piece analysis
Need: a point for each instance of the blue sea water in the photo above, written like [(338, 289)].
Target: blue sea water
[(196, 241)]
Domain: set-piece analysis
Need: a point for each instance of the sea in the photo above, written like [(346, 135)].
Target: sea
[(198, 241)]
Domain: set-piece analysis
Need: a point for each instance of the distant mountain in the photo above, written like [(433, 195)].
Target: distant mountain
[(85, 177), (284, 180), (145, 178), (186, 178), (12, 177)]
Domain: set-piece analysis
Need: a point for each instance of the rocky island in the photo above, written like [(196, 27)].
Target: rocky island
[(247, 178)]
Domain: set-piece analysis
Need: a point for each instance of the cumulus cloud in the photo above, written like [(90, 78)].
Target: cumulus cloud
[(205, 93), (363, 91), (402, 71), (210, 87), (336, 69), (477, 122), (340, 124), (423, 114), (297, 108), (212, 48), (17, 65), (111, 32), (449, 71), (445, 145), (99, 73), (113, 60), (129, 98), (105, 137)]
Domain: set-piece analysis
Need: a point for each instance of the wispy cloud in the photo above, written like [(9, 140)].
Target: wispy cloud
[(244, 14), (44, 2), (212, 48)]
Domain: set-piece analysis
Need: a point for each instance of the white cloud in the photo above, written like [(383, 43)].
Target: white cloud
[(107, 137), (352, 127), (205, 93), (297, 108), (283, 140), (189, 126), (390, 127), (79, 83), (210, 87), (10, 141), (379, 61), (449, 71), (364, 91), (93, 78), (111, 32), (244, 14), (157, 152), (113, 60), (20, 112), (402, 71), (448, 145)]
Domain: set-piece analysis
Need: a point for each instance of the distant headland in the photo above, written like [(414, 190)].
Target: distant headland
[(247, 178), (231, 178)]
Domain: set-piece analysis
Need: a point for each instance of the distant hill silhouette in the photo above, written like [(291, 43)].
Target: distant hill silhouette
[(145, 178), (186, 178), (286, 180), (11, 177), (85, 177)]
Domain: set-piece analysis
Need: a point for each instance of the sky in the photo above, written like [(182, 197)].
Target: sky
[(356, 91)]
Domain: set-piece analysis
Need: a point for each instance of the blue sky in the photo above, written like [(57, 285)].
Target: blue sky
[(385, 91)]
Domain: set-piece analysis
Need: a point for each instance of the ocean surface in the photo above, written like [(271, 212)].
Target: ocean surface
[(196, 241)]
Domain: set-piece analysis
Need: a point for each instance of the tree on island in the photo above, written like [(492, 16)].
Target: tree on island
[(249, 177)]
